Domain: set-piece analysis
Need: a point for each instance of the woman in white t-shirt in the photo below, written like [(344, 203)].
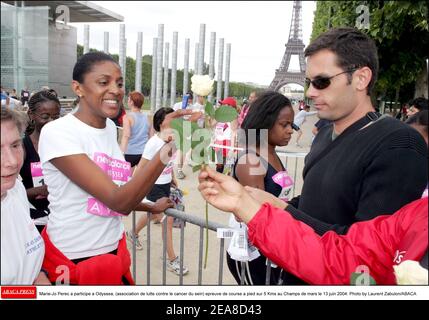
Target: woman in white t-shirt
[(89, 181), (22, 247)]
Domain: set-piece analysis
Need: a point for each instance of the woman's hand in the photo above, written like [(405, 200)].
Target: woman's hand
[(195, 116), (40, 192), (161, 205), (166, 133)]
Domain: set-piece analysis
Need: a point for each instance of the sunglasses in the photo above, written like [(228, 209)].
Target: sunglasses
[(321, 83)]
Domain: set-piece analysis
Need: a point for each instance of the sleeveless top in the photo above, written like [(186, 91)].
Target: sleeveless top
[(139, 133), (269, 184), (31, 174)]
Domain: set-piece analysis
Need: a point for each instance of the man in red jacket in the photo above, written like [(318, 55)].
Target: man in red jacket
[(379, 244)]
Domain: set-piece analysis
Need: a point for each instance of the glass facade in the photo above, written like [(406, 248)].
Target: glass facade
[(24, 47)]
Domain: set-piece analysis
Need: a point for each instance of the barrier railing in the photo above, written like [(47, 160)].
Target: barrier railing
[(293, 161), (183, 217)]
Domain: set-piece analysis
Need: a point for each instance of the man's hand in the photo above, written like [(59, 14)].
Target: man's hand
[(226, 194), (220, 190), (262, 196)]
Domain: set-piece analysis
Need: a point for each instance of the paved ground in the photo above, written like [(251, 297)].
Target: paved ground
[(195, 205)]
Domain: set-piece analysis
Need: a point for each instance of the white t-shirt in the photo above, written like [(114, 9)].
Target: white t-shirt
[(177, 106), (80, 225), (152, 147), (22, 247), (199, 107), (223, 131), (300, 117)]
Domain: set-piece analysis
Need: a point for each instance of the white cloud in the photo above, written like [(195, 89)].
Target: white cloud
[(257, 31)]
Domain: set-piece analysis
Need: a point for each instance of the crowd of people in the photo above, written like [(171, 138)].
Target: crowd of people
[(66, 182)]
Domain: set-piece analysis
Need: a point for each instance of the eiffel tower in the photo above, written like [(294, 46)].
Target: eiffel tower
[(293, 46)]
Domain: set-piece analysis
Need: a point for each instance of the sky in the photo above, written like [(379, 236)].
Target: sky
[(257, 31)]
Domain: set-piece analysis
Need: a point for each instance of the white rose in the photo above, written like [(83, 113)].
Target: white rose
[(410, 272), (201, 85)]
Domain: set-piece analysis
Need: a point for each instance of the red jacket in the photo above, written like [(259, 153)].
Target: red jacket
[(379, 243), (104, 269)]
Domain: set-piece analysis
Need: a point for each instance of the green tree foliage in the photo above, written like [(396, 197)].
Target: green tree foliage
[(400, 30)]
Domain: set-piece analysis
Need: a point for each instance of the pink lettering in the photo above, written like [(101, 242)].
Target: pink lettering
[(36, 169), (116, 169), (100, 209), (283, 179), (94, 208)]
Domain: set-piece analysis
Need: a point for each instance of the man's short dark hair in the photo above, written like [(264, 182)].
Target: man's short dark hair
[(420, 103), (353, 48)]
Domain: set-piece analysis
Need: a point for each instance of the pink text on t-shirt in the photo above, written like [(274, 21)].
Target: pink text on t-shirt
[(36, 169), (117, 170), (283, 179)]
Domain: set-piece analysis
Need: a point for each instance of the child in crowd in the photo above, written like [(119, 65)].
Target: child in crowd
[(225, 135), (160, 189), (300, 119), (43, 107)]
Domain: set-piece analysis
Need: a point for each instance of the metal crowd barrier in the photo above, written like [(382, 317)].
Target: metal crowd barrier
[(192, 219), (212, 226)]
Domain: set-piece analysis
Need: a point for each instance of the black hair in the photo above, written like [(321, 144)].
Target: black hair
[(419, 118), (191, 96), (263, 113), (35, 101), (53, 92), (159, 117), (87, 61), (420, 103), (353, 48)]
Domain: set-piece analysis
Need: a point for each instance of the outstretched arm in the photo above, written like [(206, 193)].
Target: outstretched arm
[(331, 258), (293, 245), (88, 176)]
